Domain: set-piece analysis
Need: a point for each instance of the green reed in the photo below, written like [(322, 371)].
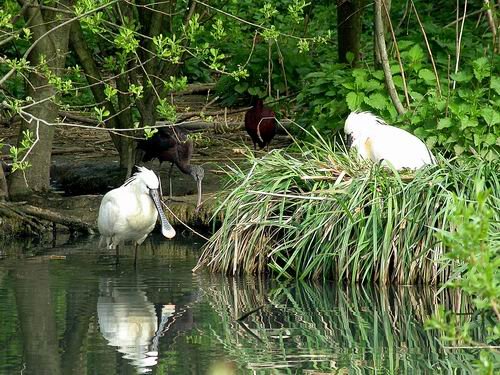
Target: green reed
[(317, 212)]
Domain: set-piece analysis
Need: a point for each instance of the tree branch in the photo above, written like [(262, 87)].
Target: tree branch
[(428, 47), (379, 34)]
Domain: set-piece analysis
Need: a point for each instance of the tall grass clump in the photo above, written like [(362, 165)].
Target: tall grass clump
[(321, 213)]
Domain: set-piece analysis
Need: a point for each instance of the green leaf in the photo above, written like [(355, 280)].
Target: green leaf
[(416, 96), (491, 116), (427, 75), (444, 123), (467, 122), (416, 53), (354, 100), (461, 76), (378, 74), (495, 84), (376, 100), (241, 87), (481, 68), (458, 149), (490, 139), (253, 91), (360, 76)]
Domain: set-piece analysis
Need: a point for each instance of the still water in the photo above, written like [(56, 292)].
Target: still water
[(69, 309)]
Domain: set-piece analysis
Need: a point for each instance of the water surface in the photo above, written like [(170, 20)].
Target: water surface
[(69, 309)]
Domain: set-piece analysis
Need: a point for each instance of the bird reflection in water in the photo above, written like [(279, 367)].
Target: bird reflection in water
[(128, 321)]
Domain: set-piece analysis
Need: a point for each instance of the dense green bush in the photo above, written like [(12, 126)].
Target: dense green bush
[(474, 243)]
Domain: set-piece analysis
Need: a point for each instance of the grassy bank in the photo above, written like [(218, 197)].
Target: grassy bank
[(317, 213)]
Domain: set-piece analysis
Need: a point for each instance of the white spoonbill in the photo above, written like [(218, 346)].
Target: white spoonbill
[(129, 213), (375, 140)]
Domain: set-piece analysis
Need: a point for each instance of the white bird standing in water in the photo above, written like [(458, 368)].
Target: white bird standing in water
[(373, 139), (129, 213)]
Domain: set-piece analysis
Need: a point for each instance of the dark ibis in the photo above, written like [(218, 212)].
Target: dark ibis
[(260, 124), (173, 145)]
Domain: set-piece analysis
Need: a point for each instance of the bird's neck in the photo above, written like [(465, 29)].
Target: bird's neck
[(259, 104), (184, 167)]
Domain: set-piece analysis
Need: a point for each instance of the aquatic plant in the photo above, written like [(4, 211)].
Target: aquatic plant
[(319, 213)]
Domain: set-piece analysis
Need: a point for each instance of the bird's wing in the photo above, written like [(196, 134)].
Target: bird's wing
[(399, 147), (109, 215)]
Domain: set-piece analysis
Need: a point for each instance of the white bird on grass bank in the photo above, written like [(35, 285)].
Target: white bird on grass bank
[(129, 213), (373, 139)]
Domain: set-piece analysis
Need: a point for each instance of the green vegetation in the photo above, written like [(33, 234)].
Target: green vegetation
[(319, 213), (474, 243)]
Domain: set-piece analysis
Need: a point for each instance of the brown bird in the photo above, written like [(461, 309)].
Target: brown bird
[(172, 145), (260, 123)]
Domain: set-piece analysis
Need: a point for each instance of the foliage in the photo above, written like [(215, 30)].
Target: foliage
[(460, 114), (322, 214), (278, 56), (474, 243), (459, 120)]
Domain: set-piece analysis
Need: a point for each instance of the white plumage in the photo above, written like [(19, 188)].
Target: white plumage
[(129, 213), (373, 139), (128, 321)]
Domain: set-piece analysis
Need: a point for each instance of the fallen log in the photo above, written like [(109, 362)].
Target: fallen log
[(35, 219), (74, 224)]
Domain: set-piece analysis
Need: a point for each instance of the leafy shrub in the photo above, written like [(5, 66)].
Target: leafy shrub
[(464, 119), (474, 244)]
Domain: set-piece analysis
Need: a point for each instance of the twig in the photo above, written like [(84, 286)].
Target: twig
[(401, 68), (491, 23), (428, 48), (183, 223), (379, 37), (459, 42)]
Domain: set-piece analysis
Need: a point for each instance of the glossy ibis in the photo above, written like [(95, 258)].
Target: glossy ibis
[(260, 124), (173, 145), (129, 213), (375, 140)]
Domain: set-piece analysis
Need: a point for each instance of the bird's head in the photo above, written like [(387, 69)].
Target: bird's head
[(146, 181), (197, 172), (358, 126), (146, 178)]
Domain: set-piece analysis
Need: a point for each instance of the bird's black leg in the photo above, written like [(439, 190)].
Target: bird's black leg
[(117, 254), (170, 180), (159, 178), (135, 256)]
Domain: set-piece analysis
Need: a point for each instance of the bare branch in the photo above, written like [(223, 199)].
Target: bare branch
[(438, 83), (379, 35)]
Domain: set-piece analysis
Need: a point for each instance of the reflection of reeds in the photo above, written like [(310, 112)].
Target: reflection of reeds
[(327, 328), (321, 215)]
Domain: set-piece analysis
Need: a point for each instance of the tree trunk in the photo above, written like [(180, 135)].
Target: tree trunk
[(52, 48), (385, 21), (349, 28), (80, 47), (4, 190)]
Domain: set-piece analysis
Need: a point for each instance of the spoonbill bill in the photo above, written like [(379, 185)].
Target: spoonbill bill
[(373, 139), (129, 213), (172, 145), (260, 124)]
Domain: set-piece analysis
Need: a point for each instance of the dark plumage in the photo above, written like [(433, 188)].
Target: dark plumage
[(260, 123), (172, 145)]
